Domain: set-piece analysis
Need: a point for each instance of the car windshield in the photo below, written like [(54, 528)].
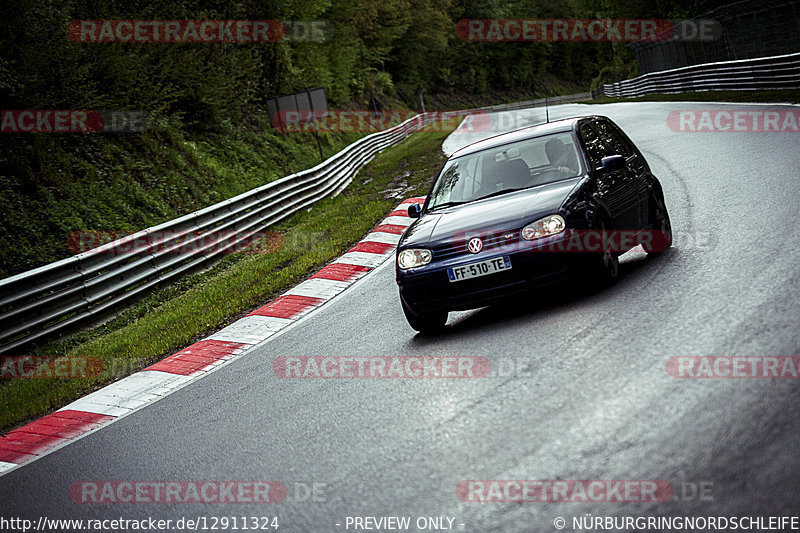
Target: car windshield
[(506, 168)]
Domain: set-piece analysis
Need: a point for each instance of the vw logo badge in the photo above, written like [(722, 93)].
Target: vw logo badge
[(475, 245)]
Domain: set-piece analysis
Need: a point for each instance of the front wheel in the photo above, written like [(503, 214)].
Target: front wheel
[(660, 238), (424, 322), (604, 266)]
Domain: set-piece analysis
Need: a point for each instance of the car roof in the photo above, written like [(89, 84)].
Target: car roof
[(556, 126)]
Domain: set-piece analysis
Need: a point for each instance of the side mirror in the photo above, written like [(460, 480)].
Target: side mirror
[(611, 163), (414, 210)]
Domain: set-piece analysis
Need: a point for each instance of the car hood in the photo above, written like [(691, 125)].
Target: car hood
[(507, 211)]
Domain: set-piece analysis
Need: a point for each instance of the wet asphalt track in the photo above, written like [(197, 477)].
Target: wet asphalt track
[(592, 400)]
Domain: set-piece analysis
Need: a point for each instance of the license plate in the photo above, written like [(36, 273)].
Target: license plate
[(481, 268)]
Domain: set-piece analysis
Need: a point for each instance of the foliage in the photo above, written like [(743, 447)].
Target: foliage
[(209, 137)]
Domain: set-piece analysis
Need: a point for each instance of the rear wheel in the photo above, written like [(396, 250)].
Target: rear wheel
[(660, 239), (424, 322)]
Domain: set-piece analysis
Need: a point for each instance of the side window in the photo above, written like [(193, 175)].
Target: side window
[(635, 159), (616, 142), (594, 146)]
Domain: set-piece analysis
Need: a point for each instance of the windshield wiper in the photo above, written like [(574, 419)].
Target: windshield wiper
[(445, 204), (498, 193)]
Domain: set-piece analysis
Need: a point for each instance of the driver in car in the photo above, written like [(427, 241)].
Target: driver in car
[(561, 157)]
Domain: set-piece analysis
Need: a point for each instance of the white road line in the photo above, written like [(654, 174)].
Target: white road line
[(399, 221), (7, 466), (250, 329), (319, 288), (163, 383), (129, 393), (362, 259), (86, 405), (382, 236)]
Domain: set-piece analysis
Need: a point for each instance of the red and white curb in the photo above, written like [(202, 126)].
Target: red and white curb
[(138, 390)]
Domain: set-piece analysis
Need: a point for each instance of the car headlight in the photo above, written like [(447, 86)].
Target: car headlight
[(544, 227), (413, 257)]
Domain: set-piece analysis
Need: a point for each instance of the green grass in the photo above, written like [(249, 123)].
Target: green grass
[(174, 317), (53, 185), (781, 96)]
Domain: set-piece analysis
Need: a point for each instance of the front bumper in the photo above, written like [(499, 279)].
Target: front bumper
[(533, 264)]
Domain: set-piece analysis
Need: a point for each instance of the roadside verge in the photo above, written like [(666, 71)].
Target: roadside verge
[(142, 388), (183, 313)]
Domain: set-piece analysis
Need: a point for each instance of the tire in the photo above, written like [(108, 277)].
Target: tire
[(424, 322), (604, 266), (661, 236)]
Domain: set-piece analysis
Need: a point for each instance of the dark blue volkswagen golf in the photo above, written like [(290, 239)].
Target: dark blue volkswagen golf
[(508, 213)]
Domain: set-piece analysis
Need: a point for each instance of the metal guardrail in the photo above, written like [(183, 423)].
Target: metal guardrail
[(776, 72), (553, 100), (92, 285), (742, 29)]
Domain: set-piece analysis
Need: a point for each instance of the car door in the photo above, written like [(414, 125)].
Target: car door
[(608, 186), (642, 174), (632, 184)]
